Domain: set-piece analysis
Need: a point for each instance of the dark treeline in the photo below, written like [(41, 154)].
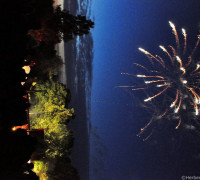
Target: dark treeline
[(26, 28)]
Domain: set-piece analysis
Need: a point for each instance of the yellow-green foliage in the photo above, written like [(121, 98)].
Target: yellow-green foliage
[(40, 168), (51, 114)]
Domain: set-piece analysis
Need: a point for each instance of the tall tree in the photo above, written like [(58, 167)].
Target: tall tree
[(51, 114), (61, 25), (70, 25)]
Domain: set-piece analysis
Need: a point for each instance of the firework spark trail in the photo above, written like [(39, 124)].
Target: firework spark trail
[(197, 68), (144, 76), (161, 85), (180, 61), (161, 116), (196, 96), (179, 123), (128, 74), (181, 64), (197, 43), (196, 109), (139, 89), (145, 127), (174, 52), (177, 73), (148, 136), (174, 103), (155, 81), (161, 59), (165, 50), (149, 54), (185, 40), (179, 105), (141, 66), (189, 61), (150, 98), (175, 34)]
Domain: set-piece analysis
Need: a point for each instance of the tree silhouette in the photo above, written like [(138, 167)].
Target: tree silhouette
[(70, 25), (61, 25)]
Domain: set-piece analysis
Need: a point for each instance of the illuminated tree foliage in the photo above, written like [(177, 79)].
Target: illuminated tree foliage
[(50, 113), (40, 168)]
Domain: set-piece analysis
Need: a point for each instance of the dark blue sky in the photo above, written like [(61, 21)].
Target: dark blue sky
[(121, 26)]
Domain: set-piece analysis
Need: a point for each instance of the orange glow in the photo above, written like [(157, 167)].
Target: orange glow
[(20, 127), (27, 69), (25, 96)]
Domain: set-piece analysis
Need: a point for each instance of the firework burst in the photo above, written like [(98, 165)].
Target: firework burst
[(177, 76)]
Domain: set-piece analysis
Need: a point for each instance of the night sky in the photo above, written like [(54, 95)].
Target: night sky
[(121, 26)]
